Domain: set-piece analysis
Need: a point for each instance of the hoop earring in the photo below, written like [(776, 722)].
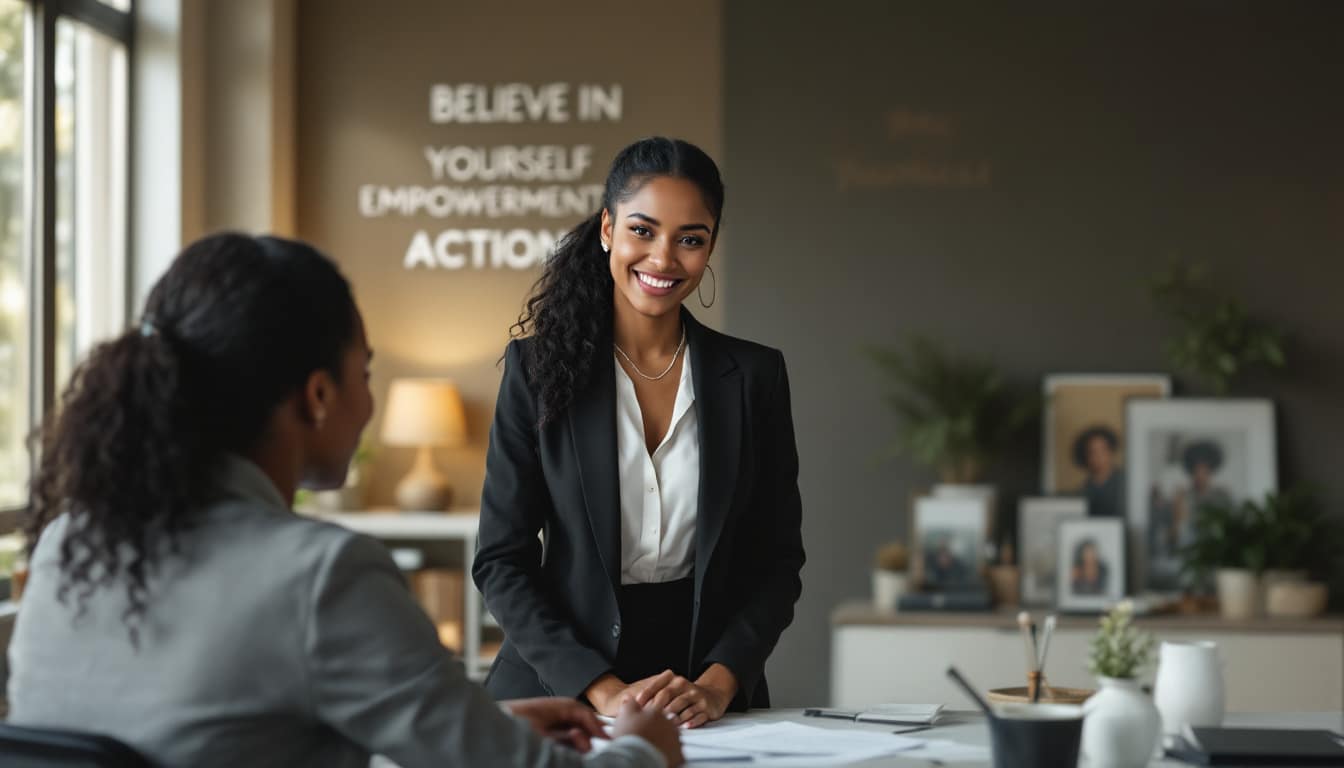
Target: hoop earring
[(712, 296)]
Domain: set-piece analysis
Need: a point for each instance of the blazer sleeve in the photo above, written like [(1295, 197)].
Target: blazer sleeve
[(378, 675), (773, 551), (514, 504)]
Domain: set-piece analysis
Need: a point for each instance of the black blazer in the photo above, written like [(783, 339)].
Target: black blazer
[(557, 605)]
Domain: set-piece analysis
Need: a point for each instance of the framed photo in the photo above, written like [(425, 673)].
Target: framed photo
[(1084, 444), (1091, 573), (949, 536), (1185, 453), (1037, 523)]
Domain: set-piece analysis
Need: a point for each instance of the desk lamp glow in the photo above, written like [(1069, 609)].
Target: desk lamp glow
[(424, 413)]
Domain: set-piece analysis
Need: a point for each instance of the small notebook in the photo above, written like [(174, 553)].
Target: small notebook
[(894, 714), (1258, 746)]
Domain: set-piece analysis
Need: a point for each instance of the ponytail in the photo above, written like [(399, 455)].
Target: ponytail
[(570, 310), (125, 450)]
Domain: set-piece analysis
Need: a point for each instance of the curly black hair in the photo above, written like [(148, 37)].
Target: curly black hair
[(570, 309), (235, 325), (1204, 452), (1080, 443)]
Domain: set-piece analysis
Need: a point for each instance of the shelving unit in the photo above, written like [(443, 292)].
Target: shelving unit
[(409, 528)]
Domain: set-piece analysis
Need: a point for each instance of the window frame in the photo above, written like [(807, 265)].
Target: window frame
[(40, 250)]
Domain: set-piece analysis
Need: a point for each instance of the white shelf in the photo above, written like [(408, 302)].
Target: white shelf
[(391, 524)]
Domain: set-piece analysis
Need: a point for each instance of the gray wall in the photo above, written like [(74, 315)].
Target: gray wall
[(1035, 167)]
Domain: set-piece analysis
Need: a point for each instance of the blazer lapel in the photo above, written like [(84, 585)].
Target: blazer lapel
[(718, 400), (592, 426)]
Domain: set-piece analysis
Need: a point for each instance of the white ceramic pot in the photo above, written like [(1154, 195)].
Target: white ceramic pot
[(1296, 599), (888, 586), (1238, 593), (1189, 686), (1121, 725)]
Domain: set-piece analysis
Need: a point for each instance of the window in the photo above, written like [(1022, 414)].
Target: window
[(64, 85)]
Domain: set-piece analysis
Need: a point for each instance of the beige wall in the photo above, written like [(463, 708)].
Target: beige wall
[(363, 80)]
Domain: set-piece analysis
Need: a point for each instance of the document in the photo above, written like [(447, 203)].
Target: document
[(829, 746)]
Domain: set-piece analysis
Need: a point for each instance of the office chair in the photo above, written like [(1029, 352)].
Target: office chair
[(24, 747)]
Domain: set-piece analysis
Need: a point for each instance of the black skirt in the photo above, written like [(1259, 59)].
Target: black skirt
[(655, 629)]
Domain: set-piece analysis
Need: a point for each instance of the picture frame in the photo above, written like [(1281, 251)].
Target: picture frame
[(1091, 557), (1186, 452), (1084, 445), (949, 535), (1038, 519)]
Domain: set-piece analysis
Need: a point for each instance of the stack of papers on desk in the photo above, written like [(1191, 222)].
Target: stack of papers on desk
[(784, 743)]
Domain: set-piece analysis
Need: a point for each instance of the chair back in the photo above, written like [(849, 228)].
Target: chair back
[(25, 747)]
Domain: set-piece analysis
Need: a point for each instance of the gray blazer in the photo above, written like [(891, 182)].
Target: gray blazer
[(271, 640)]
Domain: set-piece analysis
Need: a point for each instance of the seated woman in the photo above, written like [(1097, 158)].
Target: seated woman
[(177, 604)]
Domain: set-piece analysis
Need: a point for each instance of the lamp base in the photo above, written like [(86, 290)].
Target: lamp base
[(424, 488), (413, 495)]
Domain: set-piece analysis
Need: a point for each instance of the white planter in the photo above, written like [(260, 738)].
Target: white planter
[(1238, 593), (1189, 686), (1121, 725), (1272, 578), (888, 586), (1296, 599)]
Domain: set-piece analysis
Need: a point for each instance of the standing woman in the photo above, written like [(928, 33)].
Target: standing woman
[(655, 455)]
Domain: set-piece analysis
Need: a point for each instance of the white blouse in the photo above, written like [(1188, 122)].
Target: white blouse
[(659, 493)]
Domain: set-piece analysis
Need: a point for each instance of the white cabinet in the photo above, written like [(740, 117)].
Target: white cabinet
[(1269, 665), (410, 528)]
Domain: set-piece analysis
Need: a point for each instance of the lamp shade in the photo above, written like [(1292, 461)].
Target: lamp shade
[(424, 412)]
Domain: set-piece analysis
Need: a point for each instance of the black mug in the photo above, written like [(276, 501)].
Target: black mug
[(1036, 735)]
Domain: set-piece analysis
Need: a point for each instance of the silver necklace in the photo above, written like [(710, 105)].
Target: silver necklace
[(680, 346)]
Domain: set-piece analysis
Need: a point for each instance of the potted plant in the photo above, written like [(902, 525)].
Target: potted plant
[(1299, 539), (1121, 723), (1218, 338), (956, 414), (890, 580), (1230, 543)]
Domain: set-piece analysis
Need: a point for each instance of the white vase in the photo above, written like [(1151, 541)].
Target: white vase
[(1189, 686), (1238, 593), (888, 586), (1120, 725)]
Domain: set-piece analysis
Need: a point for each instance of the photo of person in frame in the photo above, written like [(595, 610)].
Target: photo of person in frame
[(1089, 571), (1096, 452)]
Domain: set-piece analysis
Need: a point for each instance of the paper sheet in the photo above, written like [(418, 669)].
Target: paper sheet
[(792, 739)]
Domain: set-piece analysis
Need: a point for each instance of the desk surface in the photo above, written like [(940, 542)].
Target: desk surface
[(969, 728), (861, 613)]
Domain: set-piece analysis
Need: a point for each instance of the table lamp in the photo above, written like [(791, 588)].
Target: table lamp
[(424, 413)]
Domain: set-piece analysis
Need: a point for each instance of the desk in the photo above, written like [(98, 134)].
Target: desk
[(967, 727)]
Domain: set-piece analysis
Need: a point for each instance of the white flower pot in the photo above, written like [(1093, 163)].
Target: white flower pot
[(1273, 577), (1238, 593), (1296, 599), (1120, 725), (888, 586), (1189, 686)]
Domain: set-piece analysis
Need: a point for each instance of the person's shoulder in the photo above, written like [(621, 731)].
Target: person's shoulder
[(750, 355)]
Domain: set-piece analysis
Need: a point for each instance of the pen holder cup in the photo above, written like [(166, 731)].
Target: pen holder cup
[(1038, 735)]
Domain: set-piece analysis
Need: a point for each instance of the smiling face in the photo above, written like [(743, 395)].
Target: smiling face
[(661, 238)]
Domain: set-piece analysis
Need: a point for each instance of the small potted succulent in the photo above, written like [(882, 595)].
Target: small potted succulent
[(1121, 723), (890, 579)]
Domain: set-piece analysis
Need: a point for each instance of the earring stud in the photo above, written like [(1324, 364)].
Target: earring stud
[(605, 248)]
